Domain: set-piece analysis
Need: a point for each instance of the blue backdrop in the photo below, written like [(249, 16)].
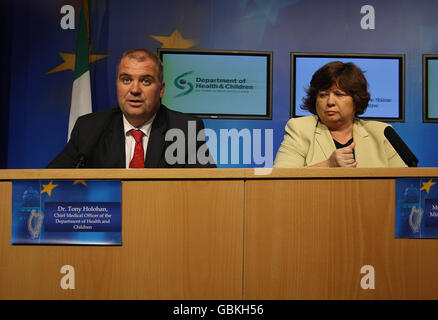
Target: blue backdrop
[(41, 73)]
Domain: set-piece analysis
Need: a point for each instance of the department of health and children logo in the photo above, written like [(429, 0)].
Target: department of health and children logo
[(182, 83)]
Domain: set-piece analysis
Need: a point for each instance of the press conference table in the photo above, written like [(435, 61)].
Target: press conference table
[(232, 234)]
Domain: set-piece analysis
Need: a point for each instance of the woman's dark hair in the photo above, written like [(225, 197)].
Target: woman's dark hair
[(347, 77)]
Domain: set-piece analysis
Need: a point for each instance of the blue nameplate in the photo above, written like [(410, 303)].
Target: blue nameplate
[(416, 213), (431, 213), (66, 212)]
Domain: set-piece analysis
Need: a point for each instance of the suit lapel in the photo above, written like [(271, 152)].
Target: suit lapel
[(156, 141), (114, 141), (360, 137), (324, 140)]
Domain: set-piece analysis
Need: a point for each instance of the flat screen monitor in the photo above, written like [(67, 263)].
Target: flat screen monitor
[(218, 84), (384, 73), (430, 87)]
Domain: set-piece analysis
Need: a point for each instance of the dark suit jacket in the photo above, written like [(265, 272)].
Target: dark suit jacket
[(99, 138)]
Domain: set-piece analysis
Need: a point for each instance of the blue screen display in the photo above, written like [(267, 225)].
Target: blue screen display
[(432, 85), (383, 73), (215, 84)]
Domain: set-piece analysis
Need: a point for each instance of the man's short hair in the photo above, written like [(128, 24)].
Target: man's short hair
[(142, 55)]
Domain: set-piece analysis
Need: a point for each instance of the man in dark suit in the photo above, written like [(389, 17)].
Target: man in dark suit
[(135, 134)]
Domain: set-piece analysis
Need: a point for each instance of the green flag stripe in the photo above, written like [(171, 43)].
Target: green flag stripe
[(82, 54)]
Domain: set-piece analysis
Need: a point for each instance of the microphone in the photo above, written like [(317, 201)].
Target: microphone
[(402, 149), (94, 137), (85, 152), (80, 161)]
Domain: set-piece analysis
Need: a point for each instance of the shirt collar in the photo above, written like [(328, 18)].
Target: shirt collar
[(145, 128)]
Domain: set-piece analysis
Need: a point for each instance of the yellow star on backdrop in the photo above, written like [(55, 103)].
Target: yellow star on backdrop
[(175, 41), (48, 188), (81, 182), (70, 59), (427, 185)]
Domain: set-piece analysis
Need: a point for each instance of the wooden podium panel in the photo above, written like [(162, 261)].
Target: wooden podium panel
[(182, 239), (232, 234), (309, 238)]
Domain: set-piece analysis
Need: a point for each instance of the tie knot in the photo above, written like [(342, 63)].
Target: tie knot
[(137, 134)]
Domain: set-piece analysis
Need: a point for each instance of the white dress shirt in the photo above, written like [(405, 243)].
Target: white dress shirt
[(130, 141)]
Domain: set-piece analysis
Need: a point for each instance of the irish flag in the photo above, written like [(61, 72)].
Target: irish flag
[(81, 93)]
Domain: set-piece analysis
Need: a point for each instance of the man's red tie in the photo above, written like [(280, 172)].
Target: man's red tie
[(138, 158)]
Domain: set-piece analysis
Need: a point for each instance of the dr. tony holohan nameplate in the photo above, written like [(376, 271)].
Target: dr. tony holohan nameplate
[(85, 212), (416, 213)]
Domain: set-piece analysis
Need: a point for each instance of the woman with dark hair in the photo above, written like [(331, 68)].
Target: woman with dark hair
[(334, 136)]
